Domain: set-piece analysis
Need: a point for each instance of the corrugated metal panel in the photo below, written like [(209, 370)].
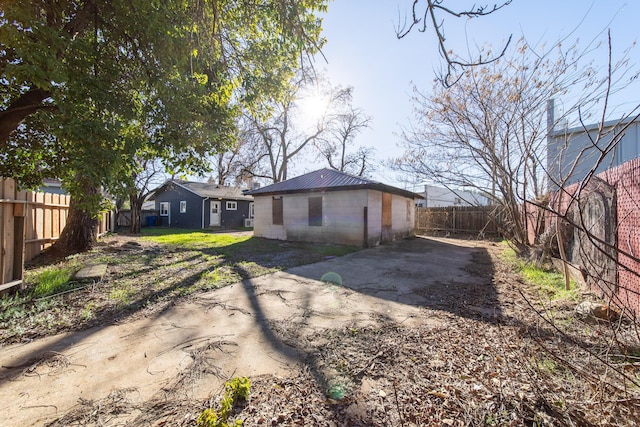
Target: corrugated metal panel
[(328, 180), (323, 178)]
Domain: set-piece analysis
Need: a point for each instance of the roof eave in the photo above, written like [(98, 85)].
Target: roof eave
[(373, 186)]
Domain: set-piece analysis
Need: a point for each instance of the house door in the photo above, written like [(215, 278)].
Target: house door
[(214, 218)]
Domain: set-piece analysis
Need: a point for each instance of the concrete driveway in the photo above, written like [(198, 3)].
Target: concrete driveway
[(251, 328)]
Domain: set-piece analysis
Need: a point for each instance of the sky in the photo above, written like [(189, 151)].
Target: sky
[(362, 51)]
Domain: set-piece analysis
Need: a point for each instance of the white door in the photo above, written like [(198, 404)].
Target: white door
[(214, 218)]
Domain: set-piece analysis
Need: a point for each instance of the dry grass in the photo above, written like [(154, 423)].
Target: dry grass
[(534, 364)]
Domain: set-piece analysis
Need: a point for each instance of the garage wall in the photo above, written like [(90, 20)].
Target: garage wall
[(375, 217), (342, 217), (262, 221), (403, 219)]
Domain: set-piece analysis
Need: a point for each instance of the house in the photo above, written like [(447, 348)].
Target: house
[(571, 153), (333, 207), (437, 197), (185, 204), (52, 186), (602, 245)]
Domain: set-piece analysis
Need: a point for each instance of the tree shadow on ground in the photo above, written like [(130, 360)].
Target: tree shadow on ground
[(432, 275), (167, 275), (426, 274)]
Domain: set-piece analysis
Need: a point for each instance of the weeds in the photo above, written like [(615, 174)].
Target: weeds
[(236, 391), (52, 281), (163, 265), (548, 281)]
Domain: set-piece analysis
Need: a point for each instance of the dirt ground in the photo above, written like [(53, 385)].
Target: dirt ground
[(424, 331)]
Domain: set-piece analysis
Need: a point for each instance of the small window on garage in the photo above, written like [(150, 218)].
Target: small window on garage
[(276, 211), (251, 211), (232, 206), (164, 208), (183, 206), (315, 211)]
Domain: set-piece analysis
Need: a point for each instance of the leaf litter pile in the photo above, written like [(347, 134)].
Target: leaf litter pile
[(519, 361)]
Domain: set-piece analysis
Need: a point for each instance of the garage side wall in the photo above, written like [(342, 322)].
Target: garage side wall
[(403, 219)]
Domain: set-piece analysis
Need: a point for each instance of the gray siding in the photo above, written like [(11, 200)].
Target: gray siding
[(173, 194), (192, 218), (229, 218), (564, 148)]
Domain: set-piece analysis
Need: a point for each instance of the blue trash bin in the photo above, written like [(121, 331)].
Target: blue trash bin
[(151, 220)]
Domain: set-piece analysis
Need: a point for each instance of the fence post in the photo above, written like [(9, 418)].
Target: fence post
[(455, 227)]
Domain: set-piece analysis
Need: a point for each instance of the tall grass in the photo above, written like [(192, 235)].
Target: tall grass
[(548, 281), (52, 281)]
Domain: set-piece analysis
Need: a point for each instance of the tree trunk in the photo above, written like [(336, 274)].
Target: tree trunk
[(80, 233), (19, 110), (136, 208)]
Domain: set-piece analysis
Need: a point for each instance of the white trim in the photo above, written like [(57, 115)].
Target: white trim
[(183, 206), (235, 205), (203, 200), (168, 205), (219, 214)]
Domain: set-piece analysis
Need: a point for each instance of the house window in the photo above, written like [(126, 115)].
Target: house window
[(232, 206), (315, 211), (276, 211), (164, 208), (183, 206), (251, 210)]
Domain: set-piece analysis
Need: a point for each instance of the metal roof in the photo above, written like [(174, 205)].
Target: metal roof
[(328, 180), (213, 191)]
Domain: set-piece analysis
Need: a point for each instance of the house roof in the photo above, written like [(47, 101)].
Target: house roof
[(562, 131), (329, 180), (207, 190)]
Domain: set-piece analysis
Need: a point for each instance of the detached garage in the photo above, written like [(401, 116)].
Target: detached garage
[(334, 207)]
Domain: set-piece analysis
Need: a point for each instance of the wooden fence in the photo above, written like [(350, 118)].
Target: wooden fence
[(456, 219), (29, 223), (124, 217)]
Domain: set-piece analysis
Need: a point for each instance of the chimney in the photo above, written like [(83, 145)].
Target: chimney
[(550, 114)]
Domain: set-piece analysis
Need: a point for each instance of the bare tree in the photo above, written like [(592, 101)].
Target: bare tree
[(429, 13), (149, 174), (276, 130), (487, 132), (227, 165), (336, 145)]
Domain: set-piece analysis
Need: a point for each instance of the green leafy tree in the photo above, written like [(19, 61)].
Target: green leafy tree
[(87, 91)]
